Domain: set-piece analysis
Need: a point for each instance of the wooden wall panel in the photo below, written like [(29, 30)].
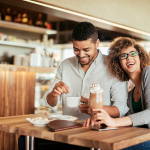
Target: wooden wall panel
[(12, 106), (16, 142), (6, 109), (31, 94), (23, 87), (17, 94), (6, 104), (2, 96), (27, 93), (2, 83)]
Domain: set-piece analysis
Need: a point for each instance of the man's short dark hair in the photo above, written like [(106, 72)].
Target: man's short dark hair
[(83, 31)]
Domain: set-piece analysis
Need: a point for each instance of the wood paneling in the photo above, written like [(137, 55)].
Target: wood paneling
[(12, 93), (16, 98), (2, 89), (12, 106), (2, 83), (31, 94)]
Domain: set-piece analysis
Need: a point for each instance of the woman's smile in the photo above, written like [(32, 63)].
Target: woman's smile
[(130, 64)]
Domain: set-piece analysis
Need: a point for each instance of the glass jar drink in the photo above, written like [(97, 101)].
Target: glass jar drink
[(96, 100)]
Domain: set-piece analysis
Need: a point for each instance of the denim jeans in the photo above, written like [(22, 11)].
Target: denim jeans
[(141, 146)]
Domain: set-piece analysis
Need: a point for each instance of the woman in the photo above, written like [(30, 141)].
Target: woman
[(128, 60)]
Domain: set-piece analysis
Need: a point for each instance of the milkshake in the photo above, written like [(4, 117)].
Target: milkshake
[(96, 96)]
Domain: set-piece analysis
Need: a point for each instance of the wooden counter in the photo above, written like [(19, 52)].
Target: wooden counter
[(4, 67), (17, 96)]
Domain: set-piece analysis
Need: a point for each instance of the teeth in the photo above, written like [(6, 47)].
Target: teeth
[(130, 64)]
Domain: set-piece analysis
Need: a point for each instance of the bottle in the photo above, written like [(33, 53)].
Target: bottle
[(39, 21), (24, 18), (45, 24), (8, 16), (14, 16), (19, 19), (0, 16), (3, 14), (49, 26), (30, 21)]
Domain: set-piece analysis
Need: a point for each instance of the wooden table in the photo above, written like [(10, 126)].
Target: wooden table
[(109, 140)]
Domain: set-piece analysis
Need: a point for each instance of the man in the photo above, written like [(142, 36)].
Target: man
[(75, 75)]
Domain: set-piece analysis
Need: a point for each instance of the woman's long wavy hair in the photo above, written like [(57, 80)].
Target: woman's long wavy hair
[(112, 60)]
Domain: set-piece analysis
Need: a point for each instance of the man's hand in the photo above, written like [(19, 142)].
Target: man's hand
[(84, 108), (60, 88)]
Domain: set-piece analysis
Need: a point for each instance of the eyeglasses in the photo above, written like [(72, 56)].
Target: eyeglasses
[(125, 55)]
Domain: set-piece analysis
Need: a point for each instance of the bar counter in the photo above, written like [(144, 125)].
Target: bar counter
[(17, 96), (6, 67)]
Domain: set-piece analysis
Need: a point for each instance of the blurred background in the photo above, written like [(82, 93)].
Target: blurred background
[(35, 36)]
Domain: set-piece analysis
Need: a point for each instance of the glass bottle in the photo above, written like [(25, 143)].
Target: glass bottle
[(8, 16), (19, 19), (0, 16), (3, 14), (39, 21), (24, 18), (45, 24), (30, 22), (14, 16)]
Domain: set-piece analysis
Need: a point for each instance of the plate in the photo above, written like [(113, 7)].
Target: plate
[(38, 122), (67, 117), (55, 115)]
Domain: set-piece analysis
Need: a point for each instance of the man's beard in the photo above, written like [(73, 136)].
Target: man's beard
[(87, 62)]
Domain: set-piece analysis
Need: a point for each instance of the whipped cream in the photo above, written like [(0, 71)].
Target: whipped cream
[(95, 88)]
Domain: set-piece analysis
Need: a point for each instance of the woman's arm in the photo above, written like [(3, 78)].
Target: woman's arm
[(123, 121), (142, 118), (104, 118)]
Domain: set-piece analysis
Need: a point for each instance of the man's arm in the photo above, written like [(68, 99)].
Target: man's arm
[(104, 118), (50, 97), (113, 111), (119, 96), (60, 88), (119, 101)]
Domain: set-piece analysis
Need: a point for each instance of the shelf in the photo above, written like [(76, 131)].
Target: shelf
[(4, 67), (18, 26), (9, 43)]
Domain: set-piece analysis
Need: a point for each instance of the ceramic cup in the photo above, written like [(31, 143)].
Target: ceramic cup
[(73, 102)]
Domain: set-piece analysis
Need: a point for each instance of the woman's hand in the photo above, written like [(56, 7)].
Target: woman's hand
[(87, 122), (100, 118)]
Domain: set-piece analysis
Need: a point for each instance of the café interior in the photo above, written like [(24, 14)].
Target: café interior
[(35, 37)]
